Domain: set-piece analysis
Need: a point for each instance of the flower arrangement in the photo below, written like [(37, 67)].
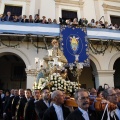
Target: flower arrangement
[(56, 82)]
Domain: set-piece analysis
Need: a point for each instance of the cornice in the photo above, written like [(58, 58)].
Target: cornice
[(110, 7), (70, 2), (113, 1), (28, 1)]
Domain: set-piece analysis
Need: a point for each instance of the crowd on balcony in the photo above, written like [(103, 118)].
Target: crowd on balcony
[(92, 24), (24, 19), (36, 19)]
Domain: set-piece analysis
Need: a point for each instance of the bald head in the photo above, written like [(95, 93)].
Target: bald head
[(58, 97)]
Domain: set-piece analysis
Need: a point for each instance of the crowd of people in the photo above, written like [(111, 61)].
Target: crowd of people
[(44, 105), (75, 21), (24, 19)]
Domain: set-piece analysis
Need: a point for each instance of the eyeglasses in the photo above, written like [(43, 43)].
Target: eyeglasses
[(84, 98), (113, 95)]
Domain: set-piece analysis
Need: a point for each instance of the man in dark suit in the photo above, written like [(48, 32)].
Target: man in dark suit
[(18, 106), (111, 95), (8, 17), (29, 110), (14, 103), (82, 112), (42, 105), (7, 109), (57, 111), (24, 19), (37, 19)]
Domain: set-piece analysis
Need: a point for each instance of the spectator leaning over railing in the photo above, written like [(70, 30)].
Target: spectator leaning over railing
[(54, 21), (2, 17), (106, 24), (30, 20), (75, 21), (83, 22), (92, 23), (24, 19), (15, 19), (111, 26), (102, 24), (97, 25), (37, 19), (8, 17), (44, 21), (49, 21)]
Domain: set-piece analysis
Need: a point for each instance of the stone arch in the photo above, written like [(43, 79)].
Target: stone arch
[(112, 60), (17, 52), (95, 64)]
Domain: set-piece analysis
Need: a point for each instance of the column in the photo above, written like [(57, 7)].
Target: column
[(97, 10), (57, 14), (30, 80), (104, 77), (27, 8), (0, 6), (106, 13), (81, 9)]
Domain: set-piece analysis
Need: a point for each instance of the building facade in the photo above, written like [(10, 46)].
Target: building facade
[(104, 66)]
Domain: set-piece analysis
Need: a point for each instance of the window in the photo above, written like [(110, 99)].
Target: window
[(115, 20), (69, 14), (15, 10)]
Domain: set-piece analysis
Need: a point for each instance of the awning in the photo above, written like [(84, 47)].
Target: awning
[(30, 28), (103, 34)]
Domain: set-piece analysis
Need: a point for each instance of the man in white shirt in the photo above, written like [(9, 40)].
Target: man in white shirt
[(57, 111)]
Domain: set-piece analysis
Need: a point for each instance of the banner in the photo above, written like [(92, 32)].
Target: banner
[(74, 44)]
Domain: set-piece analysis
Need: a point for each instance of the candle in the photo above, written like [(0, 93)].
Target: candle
[(50, 52), (36, 60), (60, 64), (79, 65), (71, 66), (76, 57), (41, 62), (55, 61)]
